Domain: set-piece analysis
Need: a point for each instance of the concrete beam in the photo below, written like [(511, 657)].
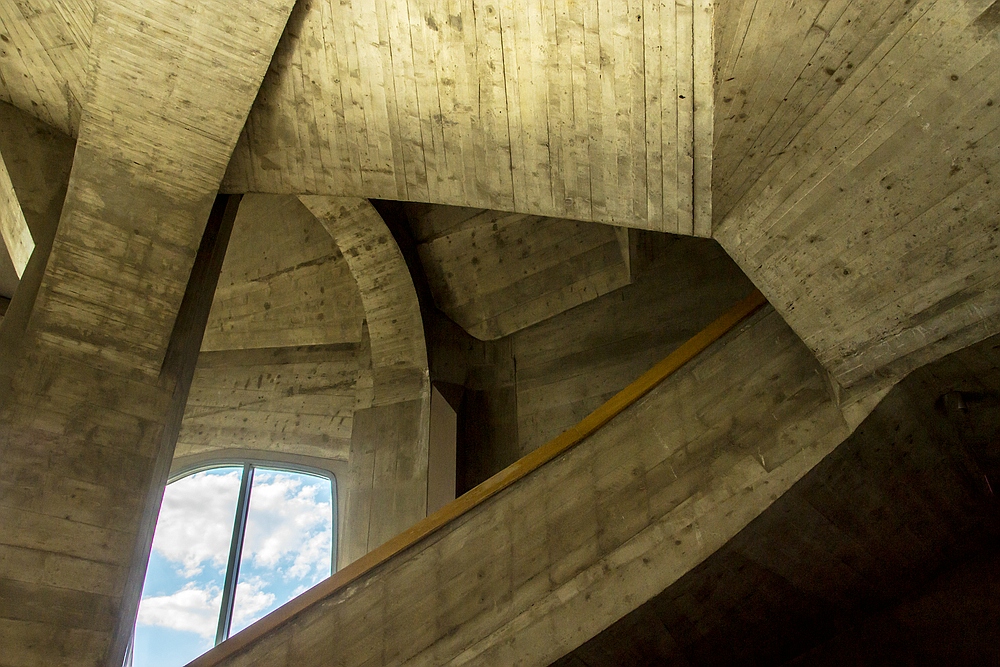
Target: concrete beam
[(82, 418), (856, 162), (603, 114)]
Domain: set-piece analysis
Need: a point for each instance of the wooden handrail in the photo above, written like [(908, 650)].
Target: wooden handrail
[(500, 481)]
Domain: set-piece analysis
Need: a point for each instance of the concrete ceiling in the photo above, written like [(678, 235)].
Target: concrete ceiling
[(496, 273), (842, 152), (46, 52), (592, 111), (848, 168)]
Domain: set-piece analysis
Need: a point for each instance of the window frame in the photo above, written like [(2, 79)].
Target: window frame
[(249, 464), (278, 466)]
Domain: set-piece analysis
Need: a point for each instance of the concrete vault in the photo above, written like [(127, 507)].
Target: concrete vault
[(315, 232)]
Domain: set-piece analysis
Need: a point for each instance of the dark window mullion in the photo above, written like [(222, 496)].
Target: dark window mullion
[(235, 553), (333, 524)]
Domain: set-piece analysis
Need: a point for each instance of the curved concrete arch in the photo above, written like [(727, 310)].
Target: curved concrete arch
[(399, 351), (387, 478), (284, 344)]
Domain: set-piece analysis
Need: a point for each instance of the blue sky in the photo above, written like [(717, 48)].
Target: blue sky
[(287, 549)]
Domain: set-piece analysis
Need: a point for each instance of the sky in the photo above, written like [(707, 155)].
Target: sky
[(287, 549)]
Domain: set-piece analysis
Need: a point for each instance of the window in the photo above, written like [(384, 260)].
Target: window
[(232, 543)]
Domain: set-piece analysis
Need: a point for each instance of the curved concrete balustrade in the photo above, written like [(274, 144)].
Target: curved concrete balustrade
[(603, 527)]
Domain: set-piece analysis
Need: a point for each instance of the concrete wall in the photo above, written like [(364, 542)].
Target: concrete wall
[(519, 391), (317, 358), (86, 404), (568, 550), (855, 564)]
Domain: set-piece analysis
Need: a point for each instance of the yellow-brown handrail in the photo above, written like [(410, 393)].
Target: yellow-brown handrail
[(500, 481)]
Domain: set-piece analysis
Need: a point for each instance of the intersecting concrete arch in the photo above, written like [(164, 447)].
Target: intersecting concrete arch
[(387, 482)]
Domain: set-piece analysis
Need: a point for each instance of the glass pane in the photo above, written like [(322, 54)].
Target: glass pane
[(288, 546), (179, 610)]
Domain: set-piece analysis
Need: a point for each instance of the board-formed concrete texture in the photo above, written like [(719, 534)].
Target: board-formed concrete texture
[(855, 161), (89, 395), (495, 273), (387, 480), (841, 152), (593, 111), (852, 555), (554, 559), (46, 58)]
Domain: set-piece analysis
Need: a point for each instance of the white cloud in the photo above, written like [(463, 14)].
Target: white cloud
[(196, 609), (196, 521), (191, 609), (288, 537), (251, 600), (288, 527)]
